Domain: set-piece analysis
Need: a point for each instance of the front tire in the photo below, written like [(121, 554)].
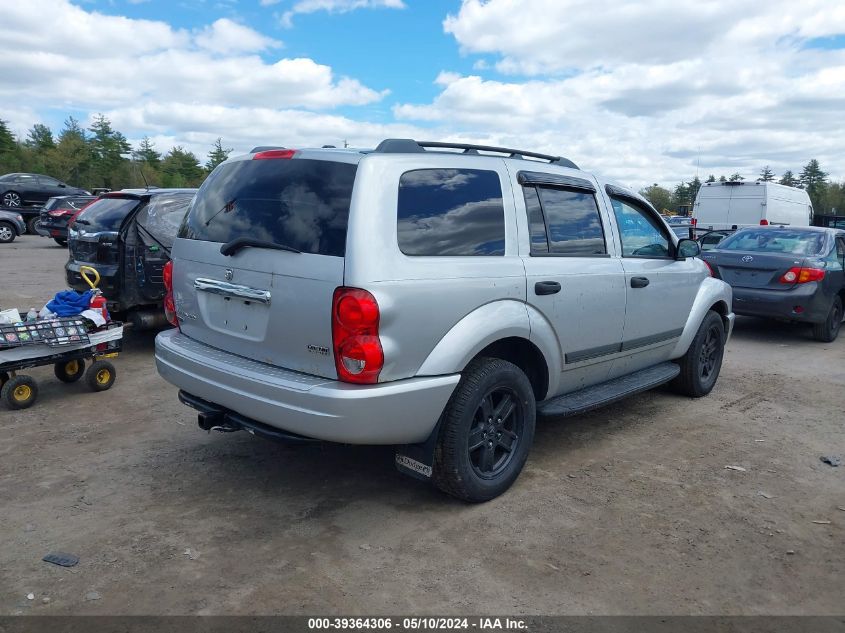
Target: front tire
[(11, 199), (487, 431), (7, 233), (19, 392), (701, 365), (828, 330)]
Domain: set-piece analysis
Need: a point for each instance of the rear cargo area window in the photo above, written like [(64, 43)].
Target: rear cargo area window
[(297, 202), (106, 214), (451, 212)]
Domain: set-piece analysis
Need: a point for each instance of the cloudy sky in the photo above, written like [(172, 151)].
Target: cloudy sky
[(644, 91)]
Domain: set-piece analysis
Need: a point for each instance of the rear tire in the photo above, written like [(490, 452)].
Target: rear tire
[(487, 431), (828, 330), (19, 392), (30, 225), (701, 364), (7, 233), (69, 371)]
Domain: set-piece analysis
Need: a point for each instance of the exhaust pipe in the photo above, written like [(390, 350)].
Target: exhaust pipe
[(148, 319)]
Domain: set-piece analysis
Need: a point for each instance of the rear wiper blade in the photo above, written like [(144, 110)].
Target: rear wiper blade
[(232, 247)]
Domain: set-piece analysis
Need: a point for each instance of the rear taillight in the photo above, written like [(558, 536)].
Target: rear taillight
[(764, 222), (694, 221), (169, 303), (274, 154), (709, 267), (57, 213), (358, 355), (796, 275)]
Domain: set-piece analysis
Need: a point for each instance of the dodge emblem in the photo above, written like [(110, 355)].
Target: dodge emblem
[(746, 259), (229, 274)]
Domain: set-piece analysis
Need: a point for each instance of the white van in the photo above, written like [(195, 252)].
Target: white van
[(733, 205)]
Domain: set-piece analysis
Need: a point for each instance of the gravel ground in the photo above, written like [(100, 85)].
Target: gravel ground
[(627, 510)]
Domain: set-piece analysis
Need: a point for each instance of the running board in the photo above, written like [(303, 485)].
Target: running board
[(608, 392)]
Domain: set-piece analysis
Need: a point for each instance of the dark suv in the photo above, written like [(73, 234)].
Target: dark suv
[(126, 236), (56, 213)]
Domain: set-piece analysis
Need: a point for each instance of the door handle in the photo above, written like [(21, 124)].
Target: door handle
[(639, 282), (546, 287)]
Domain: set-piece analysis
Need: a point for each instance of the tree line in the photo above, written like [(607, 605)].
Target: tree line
[(100, 156), (828, 198)]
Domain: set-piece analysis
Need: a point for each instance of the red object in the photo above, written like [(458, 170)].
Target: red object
[(796, 275), (694, 221), (764, 222), (709, 267), (271, 154), (358, 355), (169, 303), (98, 303)]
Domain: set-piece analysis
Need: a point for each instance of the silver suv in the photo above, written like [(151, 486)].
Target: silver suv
[(436, 297)]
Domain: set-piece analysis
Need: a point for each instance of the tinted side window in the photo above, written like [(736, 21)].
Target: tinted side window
[(572, 222), (450, 212), (641, 233), (48, 182)]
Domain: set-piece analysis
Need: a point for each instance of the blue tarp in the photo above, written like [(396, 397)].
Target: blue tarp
[(70, 302)]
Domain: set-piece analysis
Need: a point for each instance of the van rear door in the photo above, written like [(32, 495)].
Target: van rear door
[(272, 302)]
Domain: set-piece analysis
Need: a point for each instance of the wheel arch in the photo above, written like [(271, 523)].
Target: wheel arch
[(713, 294), (500, 329)]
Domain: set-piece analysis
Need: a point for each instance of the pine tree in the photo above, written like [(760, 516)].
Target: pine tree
[(711, 178), (40, 138), (217, 155), (9, 155), (146, 152), (107, 147), (722, 178), (766, 174), (788, 179), (693, 186), (736, 178), (181, 168), (814, 181)]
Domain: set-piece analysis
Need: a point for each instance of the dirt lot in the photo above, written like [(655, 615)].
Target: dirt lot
[(628, 510)]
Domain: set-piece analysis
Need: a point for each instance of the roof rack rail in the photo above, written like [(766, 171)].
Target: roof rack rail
[(410, 146), (264, 148)]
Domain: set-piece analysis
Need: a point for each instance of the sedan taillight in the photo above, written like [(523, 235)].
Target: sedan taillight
[(796, 275)]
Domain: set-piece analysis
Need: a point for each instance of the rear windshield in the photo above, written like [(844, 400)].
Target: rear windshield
[(163, 216), (66, 203), (106, 214), (299, 203), (774, 241)]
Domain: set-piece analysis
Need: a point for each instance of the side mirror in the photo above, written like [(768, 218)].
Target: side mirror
[(687, 248)]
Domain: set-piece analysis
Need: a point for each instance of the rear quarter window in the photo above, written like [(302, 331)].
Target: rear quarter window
[(450, 212), (300, 203)]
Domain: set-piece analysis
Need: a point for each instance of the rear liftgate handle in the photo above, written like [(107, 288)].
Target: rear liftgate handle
[(639, 282), (546, 287)]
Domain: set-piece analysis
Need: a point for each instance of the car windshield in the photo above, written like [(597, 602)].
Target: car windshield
[(106, 214), (774, 241)]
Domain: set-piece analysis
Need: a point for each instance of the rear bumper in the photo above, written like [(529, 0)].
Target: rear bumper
[(51, 230), (108, 278), (400, 412), (782, 304)]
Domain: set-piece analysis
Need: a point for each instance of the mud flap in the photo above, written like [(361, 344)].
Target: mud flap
[(417, 460)]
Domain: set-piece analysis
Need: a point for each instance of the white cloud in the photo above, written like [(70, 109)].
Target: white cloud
[(116, 60), (644, 91), (225, 36), (333, 6)]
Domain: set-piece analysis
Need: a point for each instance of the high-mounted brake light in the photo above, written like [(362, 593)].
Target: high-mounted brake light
[(358, 355), (796, 275), (274, 154), (169, 303), (764, 222)]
